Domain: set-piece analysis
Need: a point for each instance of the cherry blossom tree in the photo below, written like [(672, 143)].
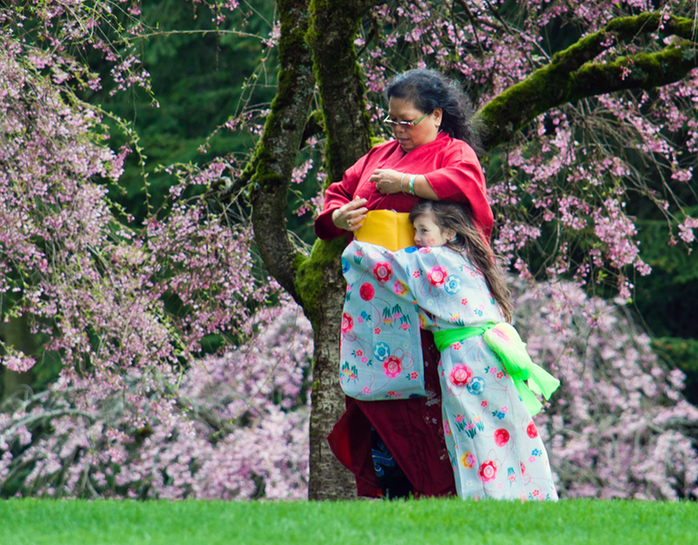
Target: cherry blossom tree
[(584, 105), (127, 308), (556, 179)]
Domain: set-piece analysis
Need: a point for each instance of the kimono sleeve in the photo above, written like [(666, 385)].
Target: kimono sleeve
[(380, 347), (448, 289)]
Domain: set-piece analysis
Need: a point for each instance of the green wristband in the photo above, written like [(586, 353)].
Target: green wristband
[(410, 185)]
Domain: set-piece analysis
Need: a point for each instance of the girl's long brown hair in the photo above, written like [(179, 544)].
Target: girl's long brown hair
[(469, 241)]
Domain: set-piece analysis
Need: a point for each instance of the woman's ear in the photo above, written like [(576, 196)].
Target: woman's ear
[(438, 116)]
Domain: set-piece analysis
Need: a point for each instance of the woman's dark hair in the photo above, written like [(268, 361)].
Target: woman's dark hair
[(469, 241), (428, 90)]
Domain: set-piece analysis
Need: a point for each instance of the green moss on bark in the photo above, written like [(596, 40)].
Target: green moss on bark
[(333, 28), (269, 172), (319, 273)]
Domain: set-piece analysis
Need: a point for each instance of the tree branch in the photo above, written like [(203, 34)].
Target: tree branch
[(271, 168), (44, 416), (572, 76)]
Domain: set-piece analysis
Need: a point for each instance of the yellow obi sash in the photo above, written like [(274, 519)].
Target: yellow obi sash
[(386, 228)]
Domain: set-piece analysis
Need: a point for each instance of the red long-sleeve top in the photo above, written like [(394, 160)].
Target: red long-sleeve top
[(450, 166)]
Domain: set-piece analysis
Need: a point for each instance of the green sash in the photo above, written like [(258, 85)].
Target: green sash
[(446, 337), (505, 341)]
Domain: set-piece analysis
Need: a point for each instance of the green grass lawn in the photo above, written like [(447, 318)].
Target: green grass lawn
[(430, 521)]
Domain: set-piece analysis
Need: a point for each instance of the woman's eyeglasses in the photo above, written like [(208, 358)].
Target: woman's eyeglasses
[(404, 124)]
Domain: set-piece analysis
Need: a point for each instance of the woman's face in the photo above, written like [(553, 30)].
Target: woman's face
[(423, 132)]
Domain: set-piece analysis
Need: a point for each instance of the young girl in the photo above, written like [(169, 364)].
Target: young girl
[(492, 441), (460, 295)]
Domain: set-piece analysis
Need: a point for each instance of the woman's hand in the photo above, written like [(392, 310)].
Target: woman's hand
[(350, 216), (392, 181), (389, 181)]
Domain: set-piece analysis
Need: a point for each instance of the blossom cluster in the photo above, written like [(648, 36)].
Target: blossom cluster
[(53, 38), (134, 313), (618, 427), (232, 426), (563, 183)]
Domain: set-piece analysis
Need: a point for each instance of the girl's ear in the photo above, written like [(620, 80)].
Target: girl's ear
[(450, 234)]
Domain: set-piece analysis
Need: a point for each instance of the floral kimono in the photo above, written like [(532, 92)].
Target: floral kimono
[(493, 444)]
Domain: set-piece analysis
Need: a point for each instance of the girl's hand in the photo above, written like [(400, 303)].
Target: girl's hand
[(388, 181), (350, 216)]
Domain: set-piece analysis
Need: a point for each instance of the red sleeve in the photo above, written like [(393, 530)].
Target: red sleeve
[(336, 195), (461, 180)]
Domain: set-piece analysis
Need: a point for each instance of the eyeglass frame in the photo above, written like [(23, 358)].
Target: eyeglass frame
[(404, 124)]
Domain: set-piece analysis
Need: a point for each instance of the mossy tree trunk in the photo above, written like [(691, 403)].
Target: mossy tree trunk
[(342, 95), (315, 282), (316, 46)]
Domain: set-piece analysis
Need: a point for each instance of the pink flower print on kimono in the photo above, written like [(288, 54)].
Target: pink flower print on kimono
[(488, 471), (347, 323), (392, 366), (367, 291), (380, 321), (447, 287), (501, 437), (460, 380), (348, 332), (460, 375), (531, 430), (383, 271), (437, 275)]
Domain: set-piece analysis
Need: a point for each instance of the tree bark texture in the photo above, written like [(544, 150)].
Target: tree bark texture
[(322, 287), (342, 93), (342, 96), (271, 168)]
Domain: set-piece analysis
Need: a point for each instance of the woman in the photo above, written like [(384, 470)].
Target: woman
[(396, 447)]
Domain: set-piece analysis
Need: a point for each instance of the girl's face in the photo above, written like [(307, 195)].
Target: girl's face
[(427, 233)]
